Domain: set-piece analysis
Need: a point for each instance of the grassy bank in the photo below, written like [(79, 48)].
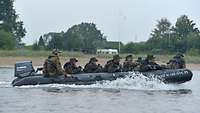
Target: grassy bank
[(30, 53), (35, 54)]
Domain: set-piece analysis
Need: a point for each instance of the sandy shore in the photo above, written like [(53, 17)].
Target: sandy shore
[(38, 61)]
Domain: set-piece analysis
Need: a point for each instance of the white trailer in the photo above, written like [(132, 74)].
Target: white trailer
[(107, 51)]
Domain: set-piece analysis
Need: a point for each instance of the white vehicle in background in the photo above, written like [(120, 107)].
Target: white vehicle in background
[(107, 51)]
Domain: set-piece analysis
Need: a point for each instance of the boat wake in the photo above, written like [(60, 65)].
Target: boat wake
[(133, 81), (5, 84)]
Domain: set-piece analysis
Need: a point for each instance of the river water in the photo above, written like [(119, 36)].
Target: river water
[(120, 96)]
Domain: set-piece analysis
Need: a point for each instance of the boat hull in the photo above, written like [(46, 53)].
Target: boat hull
[(167, 76)]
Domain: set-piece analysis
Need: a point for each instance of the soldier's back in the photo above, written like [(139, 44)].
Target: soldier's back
[(92, 68), (105, 69), (68, 67), (129, 66), (89, 67), (51, 67), (113, 67)]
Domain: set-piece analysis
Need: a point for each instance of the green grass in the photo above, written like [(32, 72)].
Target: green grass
[(31, 53)]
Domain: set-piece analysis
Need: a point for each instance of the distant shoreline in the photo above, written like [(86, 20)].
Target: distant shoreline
[(8, 62)]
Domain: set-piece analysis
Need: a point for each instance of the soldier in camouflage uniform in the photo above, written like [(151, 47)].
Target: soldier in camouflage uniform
[(172, 64), (139, 60), (129, 65), (113, 65), (71, 67), (149, 64), (52, 66), (138, 63), (92, 66), (177, 62)]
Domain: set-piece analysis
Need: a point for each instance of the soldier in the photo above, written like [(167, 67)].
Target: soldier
[(138, 63), (177, 62), (180, 60), (52, 66), (129, 65), (92, 66), (172, 64), (113, 65), (149, 64), (139, 60), (71, 67)]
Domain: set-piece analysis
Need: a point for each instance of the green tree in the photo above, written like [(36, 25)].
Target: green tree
[(159, 39), (84, 36), (193, 40), (185, 30), (129, 48), (35, 46), (41, 42), (9, 20), (19, 31), (87, 35), (162, 28), (6, 40), (7, 14), (184, 26), (56, 41), (134, 48)]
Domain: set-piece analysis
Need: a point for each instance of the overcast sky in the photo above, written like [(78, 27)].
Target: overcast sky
[(135, 19)]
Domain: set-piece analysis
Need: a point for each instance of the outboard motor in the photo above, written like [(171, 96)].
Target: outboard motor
[(24, 69)]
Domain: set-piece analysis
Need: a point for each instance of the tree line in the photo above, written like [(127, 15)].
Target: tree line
[(183, 36), (83, 37)]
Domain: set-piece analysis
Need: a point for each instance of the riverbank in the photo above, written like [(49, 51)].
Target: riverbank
[(38, 61)]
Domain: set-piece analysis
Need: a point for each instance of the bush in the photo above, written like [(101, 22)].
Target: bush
[(7, 40), (193, 52)]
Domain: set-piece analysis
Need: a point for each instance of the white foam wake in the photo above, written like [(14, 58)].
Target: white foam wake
[(5, 84), (134, 81)]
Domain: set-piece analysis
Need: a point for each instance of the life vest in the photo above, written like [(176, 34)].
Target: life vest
[(49, 67)]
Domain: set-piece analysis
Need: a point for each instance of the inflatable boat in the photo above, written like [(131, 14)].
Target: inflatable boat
[(26, 75)]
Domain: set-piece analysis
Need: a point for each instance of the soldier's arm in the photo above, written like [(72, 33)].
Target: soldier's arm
[(59, 67), (124, 67), (98, 69), (120, 68), (105, 68), (112, 68), (45, 68), (183, 63), (76, 69), (67, 69), (87, 68)]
